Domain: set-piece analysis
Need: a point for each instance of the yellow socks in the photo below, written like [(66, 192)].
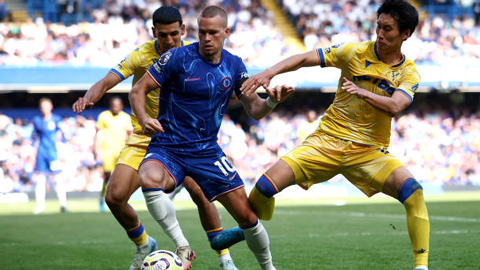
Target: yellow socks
[(418, 227), (138, 235), (262, 205)]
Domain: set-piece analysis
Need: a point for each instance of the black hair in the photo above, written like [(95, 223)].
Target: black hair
[(167, 15), (404, 13)]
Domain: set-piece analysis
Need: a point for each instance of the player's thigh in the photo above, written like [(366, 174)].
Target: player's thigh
[(161, 169), (281, 174), (368, 167), (316, 160), (195, 192), (237, 204), (123, 183), (394, 181)]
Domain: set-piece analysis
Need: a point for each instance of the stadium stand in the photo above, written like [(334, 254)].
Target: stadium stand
[(73, 44), (438, 141)]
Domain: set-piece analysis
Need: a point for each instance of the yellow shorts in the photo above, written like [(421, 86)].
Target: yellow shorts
[(321, 157), (134, 150), (109, 160)]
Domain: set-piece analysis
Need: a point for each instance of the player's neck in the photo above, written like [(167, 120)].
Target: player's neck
[(391, 58), (215, 58), (47, 116)]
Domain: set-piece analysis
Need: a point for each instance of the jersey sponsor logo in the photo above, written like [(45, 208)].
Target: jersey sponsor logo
[(164, 58), (157, 67), (226, 82), (381, 83)]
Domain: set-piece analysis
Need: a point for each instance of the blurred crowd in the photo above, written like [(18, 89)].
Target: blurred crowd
[(438, 146), (113, 28), (437, 39)]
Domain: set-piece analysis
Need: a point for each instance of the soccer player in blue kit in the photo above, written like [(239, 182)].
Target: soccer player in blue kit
[(197, 82), (46, 130)]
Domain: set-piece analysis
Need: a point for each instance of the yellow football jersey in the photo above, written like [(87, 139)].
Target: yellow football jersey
[(112, 127), (350, 117), (136, 64)]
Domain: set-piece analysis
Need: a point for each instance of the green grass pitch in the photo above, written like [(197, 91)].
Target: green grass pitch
[(352, 234)]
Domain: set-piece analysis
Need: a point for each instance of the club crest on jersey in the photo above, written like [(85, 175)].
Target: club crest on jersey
[(394, 75), (226, 82), (51, 125), (164, 58)]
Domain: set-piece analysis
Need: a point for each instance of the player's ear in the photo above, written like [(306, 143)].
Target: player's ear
[(154, 32), (182, 30), (227, 32), (405, 34)]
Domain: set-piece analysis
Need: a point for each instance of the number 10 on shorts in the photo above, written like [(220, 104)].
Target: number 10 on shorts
[(224, 166)]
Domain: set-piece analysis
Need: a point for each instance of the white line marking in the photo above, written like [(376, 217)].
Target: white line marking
[(395, 216)]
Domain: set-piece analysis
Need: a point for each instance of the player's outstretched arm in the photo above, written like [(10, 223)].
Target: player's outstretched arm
[(290, 64), (95, 92), (257, 107), (137, 98)]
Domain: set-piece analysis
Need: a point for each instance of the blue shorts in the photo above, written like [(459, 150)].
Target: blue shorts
[(209, 168), (45, 163)]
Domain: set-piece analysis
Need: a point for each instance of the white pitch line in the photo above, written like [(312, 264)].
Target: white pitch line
[(396, 216), (350, 234), (441, 218)]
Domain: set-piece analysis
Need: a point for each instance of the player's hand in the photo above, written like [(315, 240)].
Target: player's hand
[(279, 93), (253, 83), (353, 89), (151, 126), (82, 104)]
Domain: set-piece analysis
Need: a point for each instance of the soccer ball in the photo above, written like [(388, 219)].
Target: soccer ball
[(162, 260)]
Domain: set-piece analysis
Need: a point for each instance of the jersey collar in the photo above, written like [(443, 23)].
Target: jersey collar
[(377, 56)]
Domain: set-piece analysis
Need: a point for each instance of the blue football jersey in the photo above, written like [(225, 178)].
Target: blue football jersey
[(46, 133), (194, 97)]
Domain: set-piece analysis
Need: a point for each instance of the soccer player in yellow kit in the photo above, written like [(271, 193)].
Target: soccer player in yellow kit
[(113, 128), (167, 29), (352, 138)]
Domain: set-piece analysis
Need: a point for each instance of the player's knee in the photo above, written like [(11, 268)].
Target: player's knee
[(408, 187), (266, 186), (249, 219), (114, 198)]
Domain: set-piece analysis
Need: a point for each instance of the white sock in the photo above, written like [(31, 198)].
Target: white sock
[(258, 242), (162, 210), (61, 193), (225, 256), (40, 187)]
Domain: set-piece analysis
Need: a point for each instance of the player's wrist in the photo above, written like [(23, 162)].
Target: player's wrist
[(270, 103)]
